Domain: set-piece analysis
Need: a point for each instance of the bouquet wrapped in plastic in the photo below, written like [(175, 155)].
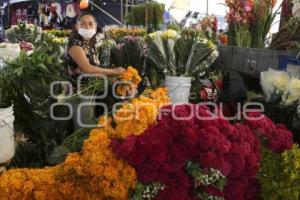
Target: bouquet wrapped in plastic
[(9, 51), (273, 83)]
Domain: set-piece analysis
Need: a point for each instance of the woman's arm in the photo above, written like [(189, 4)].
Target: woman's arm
[(79, 56)]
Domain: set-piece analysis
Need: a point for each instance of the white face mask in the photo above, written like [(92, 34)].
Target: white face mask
[(86, 33)]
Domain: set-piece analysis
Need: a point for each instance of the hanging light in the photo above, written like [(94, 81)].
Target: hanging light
[(84, 4)]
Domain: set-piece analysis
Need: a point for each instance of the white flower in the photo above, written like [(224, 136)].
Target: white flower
[(291, 92), (273, 82)]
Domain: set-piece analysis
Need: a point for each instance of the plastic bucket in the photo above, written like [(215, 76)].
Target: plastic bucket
[(7, 142), (179, 88), (6, 110)]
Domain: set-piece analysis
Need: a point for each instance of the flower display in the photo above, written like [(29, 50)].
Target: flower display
[(280, 174), (206, 159), (94, 173), (142, 112), (59, 40), (59, 33), (173, 55), (209, 25), (278, 85), (276, 137), (240, 11), (162, 152), (131, 80), (118, 33), (250, 21)]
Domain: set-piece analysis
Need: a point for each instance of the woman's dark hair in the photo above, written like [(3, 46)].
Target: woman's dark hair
[(86, 14), (75, 34)]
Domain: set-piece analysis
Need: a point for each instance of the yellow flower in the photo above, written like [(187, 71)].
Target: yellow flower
[(131, 76), (170, 34), (95, 172)]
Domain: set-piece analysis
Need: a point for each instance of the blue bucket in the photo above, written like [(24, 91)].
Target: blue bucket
[(284, 60)]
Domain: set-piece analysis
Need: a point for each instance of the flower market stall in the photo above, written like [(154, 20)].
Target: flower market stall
[(182, 122)]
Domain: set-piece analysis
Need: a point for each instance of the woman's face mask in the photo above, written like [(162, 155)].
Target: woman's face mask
[(87, 27), (86, 33)]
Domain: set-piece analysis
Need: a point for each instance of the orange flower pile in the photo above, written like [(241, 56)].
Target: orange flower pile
[(135, 117), (132, 79), (94, 173)]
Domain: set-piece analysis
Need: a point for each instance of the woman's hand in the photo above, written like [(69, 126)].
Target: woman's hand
[(118, 71)]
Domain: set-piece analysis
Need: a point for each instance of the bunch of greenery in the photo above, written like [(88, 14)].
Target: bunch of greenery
[(183, 55), (25, 82), (22, 32), (154, 17), (280, 175)]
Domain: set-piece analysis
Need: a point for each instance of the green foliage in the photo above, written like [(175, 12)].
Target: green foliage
[(146, 192), (190, 33), (129, 53), (280, 175), (155, 14), (27, 83), (174, 27), (195, 55), (264, 17), (22, 32), (185, 55), (211, 177), (74, 142), (104, 53)]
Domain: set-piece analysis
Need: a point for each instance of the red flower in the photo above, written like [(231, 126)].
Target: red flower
[(162, 152), (219, 84), (203, 94)]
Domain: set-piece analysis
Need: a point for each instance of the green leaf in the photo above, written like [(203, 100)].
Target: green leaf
[(43, 66), (19, 71)]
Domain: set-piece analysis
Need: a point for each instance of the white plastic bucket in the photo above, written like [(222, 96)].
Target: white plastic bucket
[(179, 88), (7, 142)]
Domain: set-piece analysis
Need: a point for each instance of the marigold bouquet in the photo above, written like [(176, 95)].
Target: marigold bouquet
[(131, 80)]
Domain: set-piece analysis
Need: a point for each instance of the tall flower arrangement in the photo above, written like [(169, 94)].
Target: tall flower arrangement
[(239, 19), (250, 21), (263, 17)]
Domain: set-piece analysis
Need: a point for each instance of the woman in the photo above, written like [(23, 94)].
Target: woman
[(82, 58)]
